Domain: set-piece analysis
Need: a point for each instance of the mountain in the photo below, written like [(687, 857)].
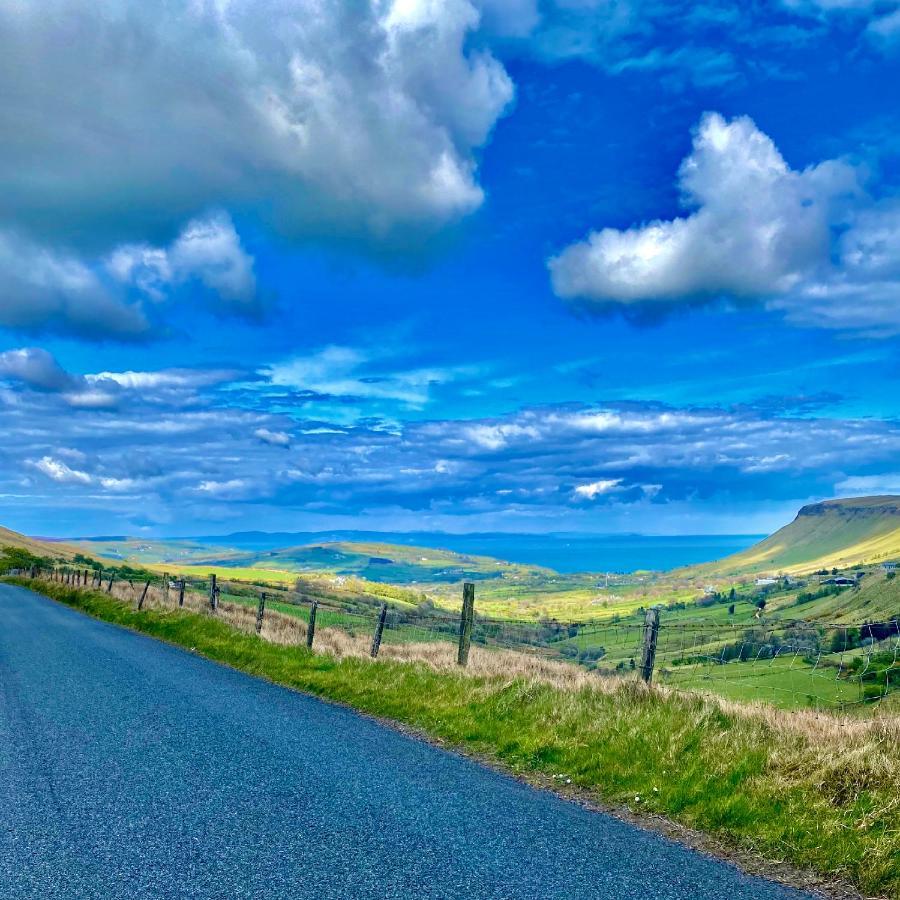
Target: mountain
[(37, 546), (834, 533)]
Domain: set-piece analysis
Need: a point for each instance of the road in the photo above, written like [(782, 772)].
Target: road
[(132, 769)]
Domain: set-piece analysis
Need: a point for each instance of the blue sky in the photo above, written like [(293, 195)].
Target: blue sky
[(468, 265)]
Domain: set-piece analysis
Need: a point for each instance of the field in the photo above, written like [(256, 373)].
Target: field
[(708, 618), (814, 790)]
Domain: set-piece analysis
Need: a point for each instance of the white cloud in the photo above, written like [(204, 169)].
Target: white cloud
[(225, 490), (43, 287), (594, 489), (757, 228), (36, 368), (497, 436), (347, 372), (856, 485), (59, 471), (359, 117), (811, 244), (318, 119), (174, 379), (119, 484), (275, 438), (208, 250)]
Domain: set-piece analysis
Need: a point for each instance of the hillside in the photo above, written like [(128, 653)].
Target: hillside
[(834, 533), (53, 549), (373, 561)]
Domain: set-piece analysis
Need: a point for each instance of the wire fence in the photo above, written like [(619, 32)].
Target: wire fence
[(790, 663)]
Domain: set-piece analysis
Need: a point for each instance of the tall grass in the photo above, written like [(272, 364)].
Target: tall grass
[(816, 791)]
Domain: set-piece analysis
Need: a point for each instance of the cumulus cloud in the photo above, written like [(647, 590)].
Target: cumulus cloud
[(36, 368), (360, 117), (208, 251), (50, 288), (811, 243), (56, 470), (275, 438), (352, 123), (595, 489), (116, 296)]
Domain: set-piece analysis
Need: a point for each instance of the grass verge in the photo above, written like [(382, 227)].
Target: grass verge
[(792, 787)]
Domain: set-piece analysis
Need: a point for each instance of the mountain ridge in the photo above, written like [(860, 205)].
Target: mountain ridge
[(827, 534)]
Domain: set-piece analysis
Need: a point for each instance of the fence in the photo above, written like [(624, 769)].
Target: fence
[(791, 663)]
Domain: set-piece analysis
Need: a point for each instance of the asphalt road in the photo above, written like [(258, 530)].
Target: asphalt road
[(130, 769)]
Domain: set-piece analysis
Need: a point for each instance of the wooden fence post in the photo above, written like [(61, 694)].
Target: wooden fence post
[(112, 578), (165, 587), (144, 595), (465, 624), (260, 612), (181, 592), (379, 630), (648, 646), (311, 627), (213, 592), (84, 581)]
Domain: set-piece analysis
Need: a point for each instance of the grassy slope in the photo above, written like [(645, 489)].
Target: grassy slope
[(837, 533), (32, 545), (755, 784)]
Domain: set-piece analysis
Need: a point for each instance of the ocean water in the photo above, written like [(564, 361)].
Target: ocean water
[(562, 552)]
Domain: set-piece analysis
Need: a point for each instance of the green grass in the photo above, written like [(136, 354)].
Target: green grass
[(739, 777), (835, 533), (787, 682)]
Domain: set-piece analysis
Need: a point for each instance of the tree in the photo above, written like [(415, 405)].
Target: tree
[(844, 639)]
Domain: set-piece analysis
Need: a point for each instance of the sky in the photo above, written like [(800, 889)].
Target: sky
[(446, 265)]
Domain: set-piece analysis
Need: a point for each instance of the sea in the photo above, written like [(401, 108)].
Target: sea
[(564, 552)]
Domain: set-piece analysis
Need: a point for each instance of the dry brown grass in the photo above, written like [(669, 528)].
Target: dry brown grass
[(837, 747)]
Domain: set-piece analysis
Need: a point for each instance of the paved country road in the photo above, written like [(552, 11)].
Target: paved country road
[(129, 768)]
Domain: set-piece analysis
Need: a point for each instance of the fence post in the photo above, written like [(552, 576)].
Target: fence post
[(379, 630), (311, 627), (648, 645), (84, 581), (260, 612), (112, 578), (165, 587), (181, 592), (144, 595), (213, 592), (33, 569), (465, 624)]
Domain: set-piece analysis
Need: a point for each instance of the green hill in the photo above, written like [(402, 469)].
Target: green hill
[(53, 549), (834, 533)]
